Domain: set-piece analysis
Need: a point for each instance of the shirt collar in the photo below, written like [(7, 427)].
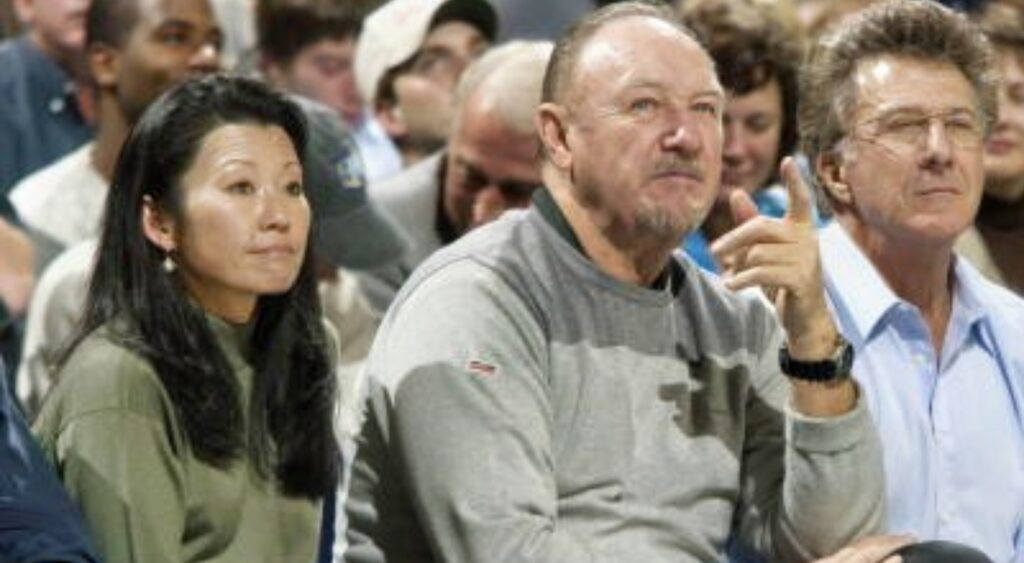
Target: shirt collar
[(970, 315), (855, 288), (673, 276), (848, 272)]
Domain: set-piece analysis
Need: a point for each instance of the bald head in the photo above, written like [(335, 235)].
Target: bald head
[(566, 55), (492, 164), (505, 83)]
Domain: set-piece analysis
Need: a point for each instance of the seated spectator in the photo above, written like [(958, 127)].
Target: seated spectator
[(756, 58), (350, 233), (896, 105), (307, 47), (489, 166), (43, 88), (558, 386), (996, 243), (193, 418), (137, 49), (409, 57), (38, 523)]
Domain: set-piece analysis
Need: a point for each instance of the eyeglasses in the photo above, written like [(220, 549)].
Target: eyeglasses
[(906, 131)]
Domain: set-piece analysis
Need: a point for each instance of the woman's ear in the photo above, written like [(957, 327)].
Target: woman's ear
[(157, 225), (831, 171), (551, 121)]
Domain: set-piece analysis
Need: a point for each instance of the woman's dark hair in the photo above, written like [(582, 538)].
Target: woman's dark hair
[(290, 428), (751, 46)]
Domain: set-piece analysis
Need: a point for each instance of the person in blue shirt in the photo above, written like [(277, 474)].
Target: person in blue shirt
[(896, 105), (756, 57), (38, 522), (41, 88)]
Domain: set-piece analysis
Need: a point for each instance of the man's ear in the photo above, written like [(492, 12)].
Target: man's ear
[(551, 120), (831, 170), (390, 117), (157, 225), (104, 65)]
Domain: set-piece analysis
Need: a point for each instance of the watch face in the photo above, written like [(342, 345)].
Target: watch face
[(844, 363)]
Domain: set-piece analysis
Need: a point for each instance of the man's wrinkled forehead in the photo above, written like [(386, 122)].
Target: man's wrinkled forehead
[(636, 46), (882, 84)]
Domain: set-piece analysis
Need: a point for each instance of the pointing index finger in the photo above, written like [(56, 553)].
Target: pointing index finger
[(799, 192)]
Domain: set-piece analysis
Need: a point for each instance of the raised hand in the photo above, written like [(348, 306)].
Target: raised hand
[(781, 257)]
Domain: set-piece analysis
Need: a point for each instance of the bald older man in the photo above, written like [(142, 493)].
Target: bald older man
[(557, 386)]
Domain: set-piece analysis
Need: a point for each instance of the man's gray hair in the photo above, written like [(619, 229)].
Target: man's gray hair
[(508, 78), (919, 29)]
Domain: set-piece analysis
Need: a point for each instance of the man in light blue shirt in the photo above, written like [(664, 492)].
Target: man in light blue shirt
[(898, 104)]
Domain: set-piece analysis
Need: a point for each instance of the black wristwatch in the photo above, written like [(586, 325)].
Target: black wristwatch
[(838, 366)]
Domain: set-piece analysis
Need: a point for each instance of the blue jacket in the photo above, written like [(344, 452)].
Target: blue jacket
[(38, 522)]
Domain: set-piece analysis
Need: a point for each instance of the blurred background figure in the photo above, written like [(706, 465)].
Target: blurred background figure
[(136, 50), (17, 281), (9, 24), (408, 61), (538, 19), (38, 522), (307, 47), (43, 88), (756, 57), (996, 244), (489, 165), (194, 416)]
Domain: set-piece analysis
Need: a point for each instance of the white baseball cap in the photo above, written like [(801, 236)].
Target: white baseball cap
[(393, 33)]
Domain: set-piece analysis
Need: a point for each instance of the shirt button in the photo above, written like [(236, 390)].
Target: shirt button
[(56, 105)]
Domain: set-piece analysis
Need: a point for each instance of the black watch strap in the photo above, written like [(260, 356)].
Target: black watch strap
[(836, 367)]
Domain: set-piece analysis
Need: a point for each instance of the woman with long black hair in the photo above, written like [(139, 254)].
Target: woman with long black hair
[(193, 418)]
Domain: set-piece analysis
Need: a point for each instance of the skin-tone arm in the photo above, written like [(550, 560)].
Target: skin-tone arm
[(872, 549), (781, 257), (17, 267)]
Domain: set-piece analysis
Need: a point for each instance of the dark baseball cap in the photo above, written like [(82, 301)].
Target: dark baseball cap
[(350, 231)]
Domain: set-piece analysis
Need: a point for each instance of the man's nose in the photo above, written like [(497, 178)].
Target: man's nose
[(683, 136), (206, 58), (938, 144)]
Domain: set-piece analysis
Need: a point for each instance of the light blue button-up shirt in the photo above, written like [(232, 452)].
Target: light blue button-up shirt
[(951, 422)]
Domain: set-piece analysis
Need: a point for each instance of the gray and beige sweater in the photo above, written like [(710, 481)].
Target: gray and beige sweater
[(525, 406)]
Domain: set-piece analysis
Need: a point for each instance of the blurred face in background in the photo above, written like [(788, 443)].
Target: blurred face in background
[(424, 92), (323, 71), (57, 26), (491, 167), (172, 40), (752, 127), (1004, 149)]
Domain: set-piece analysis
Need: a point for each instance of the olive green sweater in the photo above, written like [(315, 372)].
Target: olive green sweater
[(111, 431)]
